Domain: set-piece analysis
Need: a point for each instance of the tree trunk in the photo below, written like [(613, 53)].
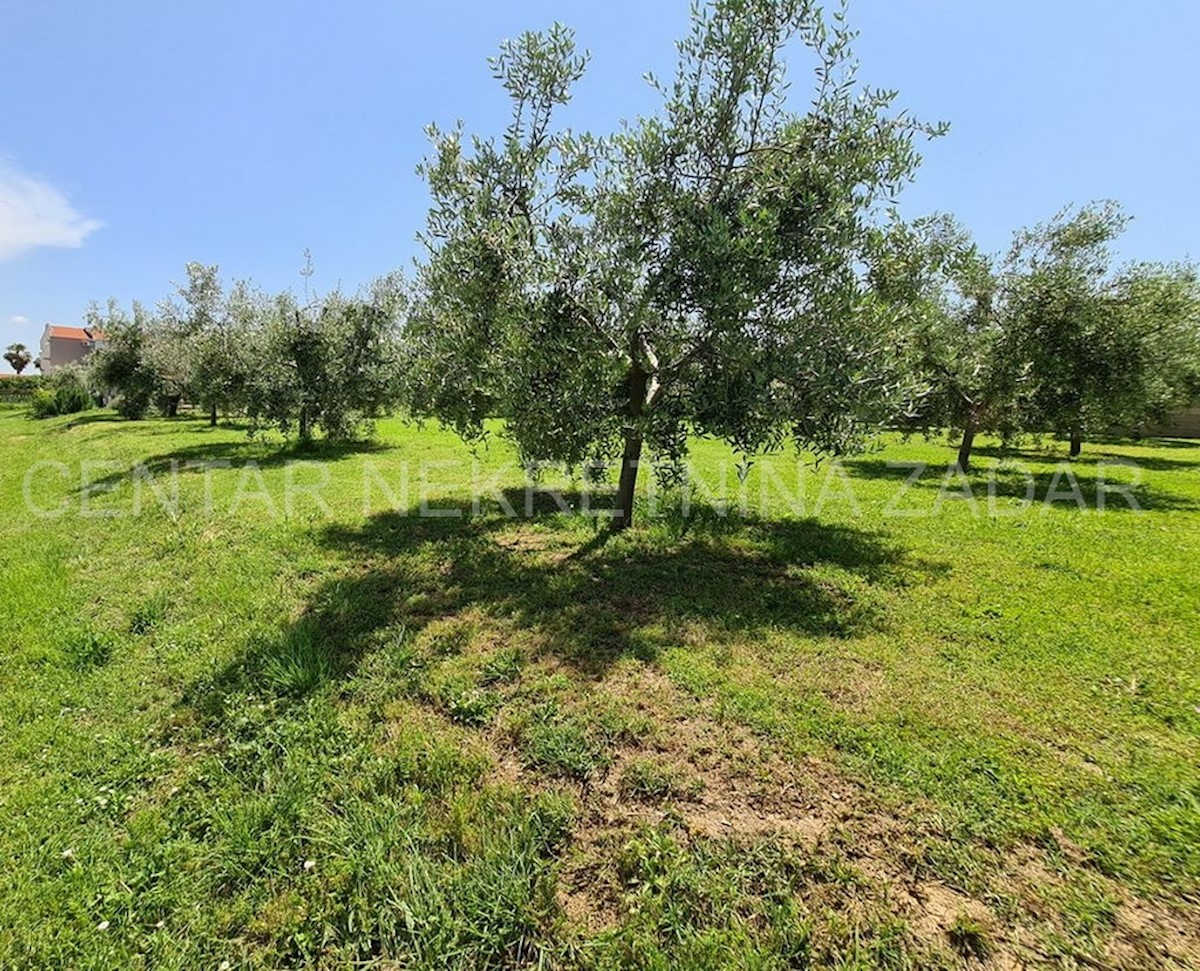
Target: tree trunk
[(637, 385), (964, 450), (212, 416), (304, 432), (1076, 441), (627, 484), (173, 406)]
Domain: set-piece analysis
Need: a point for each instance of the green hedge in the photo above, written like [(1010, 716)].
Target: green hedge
[(17, 390)]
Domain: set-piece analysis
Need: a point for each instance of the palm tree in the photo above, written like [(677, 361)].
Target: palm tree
[(18, 356)]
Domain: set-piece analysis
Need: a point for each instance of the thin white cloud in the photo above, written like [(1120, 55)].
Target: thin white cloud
[(34, 214), (18, 320)]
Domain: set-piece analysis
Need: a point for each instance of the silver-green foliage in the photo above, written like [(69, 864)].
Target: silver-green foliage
[(1052, 336), (120, 369), (703, 269), (1108, 345), (330, 364), (964, 350)]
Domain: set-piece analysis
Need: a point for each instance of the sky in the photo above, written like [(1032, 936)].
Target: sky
[(137, 135)]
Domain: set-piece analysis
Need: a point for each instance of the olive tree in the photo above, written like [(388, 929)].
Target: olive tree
[(704, 269), (964, 350), (119, 369), (222, 359), (1160, 304), (330, 364), (1109, 347), (205, 341)]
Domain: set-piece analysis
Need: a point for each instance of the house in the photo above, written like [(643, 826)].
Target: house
[(67, 345)]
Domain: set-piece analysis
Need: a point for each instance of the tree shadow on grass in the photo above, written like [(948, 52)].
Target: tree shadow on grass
[(1091, 456), (196, 459), (1168, 442), (1037, 486), (555, 584), (154, 424), (91, 418)]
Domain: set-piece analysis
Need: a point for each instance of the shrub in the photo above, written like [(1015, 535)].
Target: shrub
[(64, 393), (42, 404)]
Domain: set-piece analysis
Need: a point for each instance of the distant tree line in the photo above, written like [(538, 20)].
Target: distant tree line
[(330, 364), (1053, 336), (729, 266)]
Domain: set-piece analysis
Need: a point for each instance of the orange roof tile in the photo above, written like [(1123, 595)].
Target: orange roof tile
[(74, 333)]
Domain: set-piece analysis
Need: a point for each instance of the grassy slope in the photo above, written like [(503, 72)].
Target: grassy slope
[(843, 740)]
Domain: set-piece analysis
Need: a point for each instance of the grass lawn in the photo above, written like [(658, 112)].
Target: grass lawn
[(866, 729)]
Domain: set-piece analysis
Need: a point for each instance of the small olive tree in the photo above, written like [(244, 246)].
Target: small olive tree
[(1160, 304), (202, 351), (118, 370), (331, 364), (701, 270)]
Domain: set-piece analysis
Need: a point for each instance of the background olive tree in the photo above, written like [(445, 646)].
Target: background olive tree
[(966, 353), (1109, 347), (204, 340), (331, 364), (702, 270), (1050, 337), (1160, 304), (119, 369)]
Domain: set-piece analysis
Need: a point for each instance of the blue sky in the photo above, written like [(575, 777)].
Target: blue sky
[(138, 135)]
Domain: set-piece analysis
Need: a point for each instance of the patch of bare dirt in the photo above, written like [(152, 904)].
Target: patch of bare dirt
[(538, 543), (1150, 934), (1144, 934), (733, 785)]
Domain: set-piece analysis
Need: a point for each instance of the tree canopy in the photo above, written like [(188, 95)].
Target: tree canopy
[(705, 269), (18, 357), (731, 265), (962, 349), (1051, 336), (1108, 346)]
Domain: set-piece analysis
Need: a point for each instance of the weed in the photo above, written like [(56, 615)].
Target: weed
[(561, 744), (299, 662), (148, 615), (502, 667), (969, 937), (85, 649), (652, 780)]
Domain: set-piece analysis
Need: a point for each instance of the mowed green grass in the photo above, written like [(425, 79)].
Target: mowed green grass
[(851, 728)]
